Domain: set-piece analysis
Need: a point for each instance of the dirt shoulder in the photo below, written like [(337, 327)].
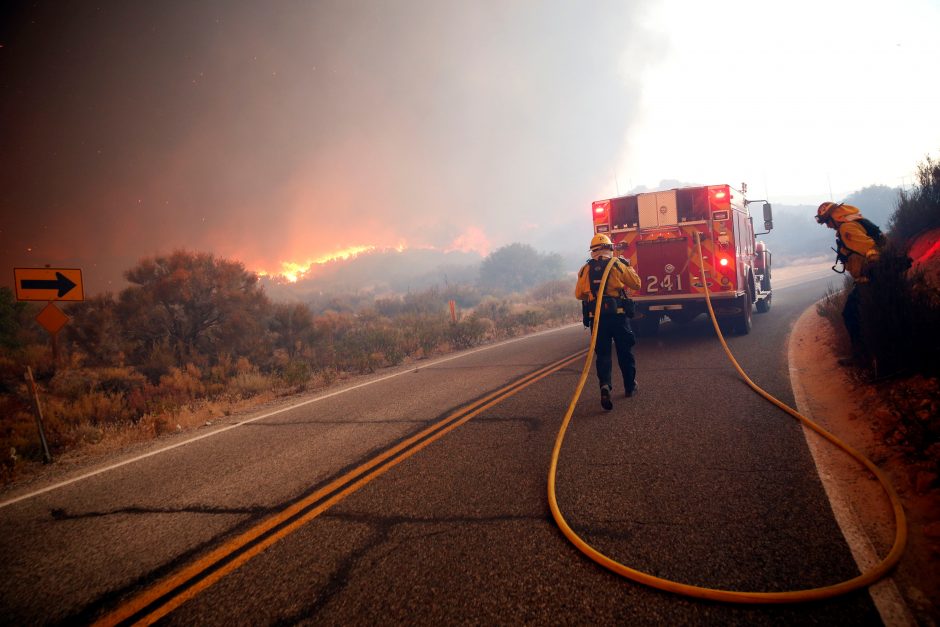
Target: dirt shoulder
[(859, 414)]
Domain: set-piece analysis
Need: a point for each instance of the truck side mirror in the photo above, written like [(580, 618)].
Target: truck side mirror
[(768, 217)]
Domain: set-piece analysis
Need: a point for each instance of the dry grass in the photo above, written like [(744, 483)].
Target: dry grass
[(96, 409)]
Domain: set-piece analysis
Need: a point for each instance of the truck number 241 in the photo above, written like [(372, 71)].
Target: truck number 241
[(668, 283)]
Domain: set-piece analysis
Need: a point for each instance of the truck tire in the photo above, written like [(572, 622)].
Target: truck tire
[(763, 305), (742, 323)]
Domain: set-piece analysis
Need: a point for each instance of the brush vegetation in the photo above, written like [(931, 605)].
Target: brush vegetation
[(195, 337)]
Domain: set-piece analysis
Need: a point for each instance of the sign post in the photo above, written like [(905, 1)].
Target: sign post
[(46, 456)]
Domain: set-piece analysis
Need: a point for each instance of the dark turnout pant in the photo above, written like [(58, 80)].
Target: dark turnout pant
[(615, 328), (852, 315)]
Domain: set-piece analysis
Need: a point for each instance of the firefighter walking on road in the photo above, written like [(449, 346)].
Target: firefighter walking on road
[(857, 248), (616, 311)]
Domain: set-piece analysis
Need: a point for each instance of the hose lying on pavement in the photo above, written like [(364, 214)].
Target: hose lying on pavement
[(730, 596)]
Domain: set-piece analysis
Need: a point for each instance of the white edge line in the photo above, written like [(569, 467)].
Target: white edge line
[(409, 370), (885, 594)]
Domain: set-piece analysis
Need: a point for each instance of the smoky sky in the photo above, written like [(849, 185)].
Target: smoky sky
[(284, 131)]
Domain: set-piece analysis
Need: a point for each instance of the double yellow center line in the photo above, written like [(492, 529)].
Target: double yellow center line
[(166, 595)]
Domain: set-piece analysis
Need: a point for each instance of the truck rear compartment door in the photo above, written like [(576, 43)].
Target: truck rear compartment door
[(657, 209), (663, 266)]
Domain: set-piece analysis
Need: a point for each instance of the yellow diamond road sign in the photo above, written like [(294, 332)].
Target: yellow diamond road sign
[(48, 284), (52, 319)]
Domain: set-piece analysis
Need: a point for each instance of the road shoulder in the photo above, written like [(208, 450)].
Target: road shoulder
[(826, 394)]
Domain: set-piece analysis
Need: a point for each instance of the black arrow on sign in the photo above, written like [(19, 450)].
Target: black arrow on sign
[(61, 283)]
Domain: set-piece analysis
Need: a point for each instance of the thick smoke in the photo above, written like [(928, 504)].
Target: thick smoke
[(270, 132)]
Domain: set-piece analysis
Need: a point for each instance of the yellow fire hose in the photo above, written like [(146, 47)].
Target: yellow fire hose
[(729, 596)]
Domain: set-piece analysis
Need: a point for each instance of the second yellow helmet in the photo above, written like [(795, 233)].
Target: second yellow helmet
[(601, 241)]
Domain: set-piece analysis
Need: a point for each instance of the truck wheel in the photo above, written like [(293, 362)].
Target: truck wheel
[(648, 325), (742, 324), (763, 305)]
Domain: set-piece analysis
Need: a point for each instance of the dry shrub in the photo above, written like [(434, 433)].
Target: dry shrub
[(72, 383), (19, 439), (551, 291), (469, 332), (244, 366), (249, 384), (529, 317), (919, 208), (563, 311), (915, 405), (119, 380), (280, 358), (39, 358), (327, 375), (222, 369), (900, 320), (296, 373), (428, 331), (181, 386), (93, 408), (83, 433), (154, 425), (157, 362)]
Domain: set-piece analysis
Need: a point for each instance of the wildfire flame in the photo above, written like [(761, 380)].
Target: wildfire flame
[(471, 239), (292, 271)]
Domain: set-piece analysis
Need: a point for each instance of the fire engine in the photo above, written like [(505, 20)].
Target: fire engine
[(656, 232)]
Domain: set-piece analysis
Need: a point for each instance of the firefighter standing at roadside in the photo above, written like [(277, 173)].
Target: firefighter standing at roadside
[(616, 307), (857, 249)]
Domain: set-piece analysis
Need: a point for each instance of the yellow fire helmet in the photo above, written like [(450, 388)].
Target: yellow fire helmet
[(822, 213), (837, 212), (601, 241)]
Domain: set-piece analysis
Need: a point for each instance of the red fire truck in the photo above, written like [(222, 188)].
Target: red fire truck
[(656, 232)]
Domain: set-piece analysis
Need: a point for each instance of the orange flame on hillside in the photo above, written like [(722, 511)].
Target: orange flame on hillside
[(293, 271)]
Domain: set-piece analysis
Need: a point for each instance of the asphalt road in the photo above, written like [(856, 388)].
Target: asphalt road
[(289, 519)]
